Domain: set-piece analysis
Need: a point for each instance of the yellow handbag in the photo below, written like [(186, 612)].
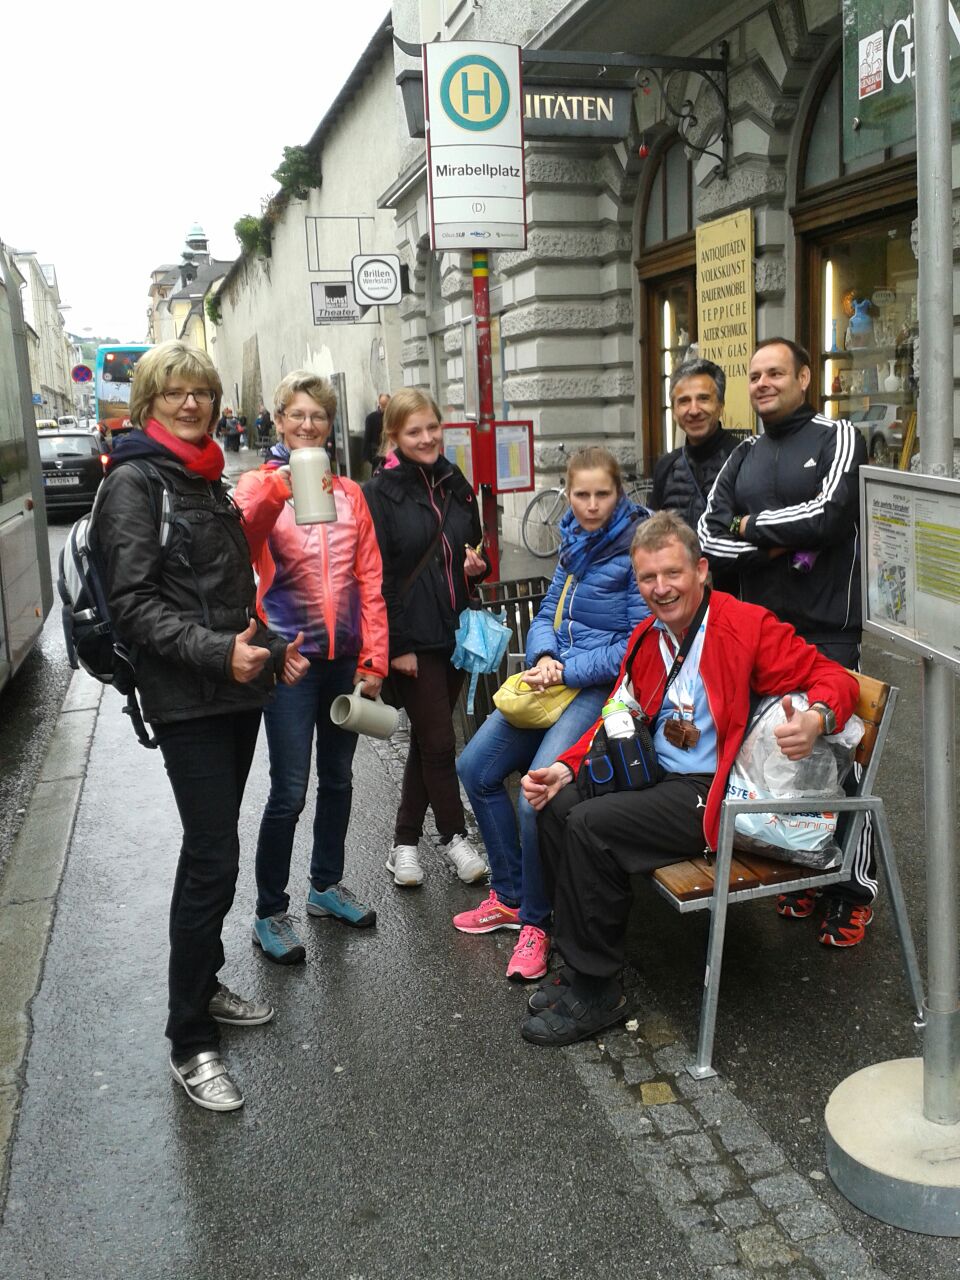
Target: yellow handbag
[(527, 708)]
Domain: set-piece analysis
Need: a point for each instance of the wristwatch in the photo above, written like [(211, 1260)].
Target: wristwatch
[(828, 719)]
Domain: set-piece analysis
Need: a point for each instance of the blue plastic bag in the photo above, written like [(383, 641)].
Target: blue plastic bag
[(481, 641)]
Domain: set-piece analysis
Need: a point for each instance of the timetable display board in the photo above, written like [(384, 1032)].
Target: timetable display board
[(513, 455), (459, 447), (910, 566)]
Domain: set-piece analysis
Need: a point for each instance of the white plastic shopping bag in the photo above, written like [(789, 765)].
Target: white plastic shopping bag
[(761, 771)]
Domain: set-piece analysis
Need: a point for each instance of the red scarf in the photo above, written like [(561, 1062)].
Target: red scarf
[(204, 460)]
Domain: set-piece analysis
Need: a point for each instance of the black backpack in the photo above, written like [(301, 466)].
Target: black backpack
[(87, 627)]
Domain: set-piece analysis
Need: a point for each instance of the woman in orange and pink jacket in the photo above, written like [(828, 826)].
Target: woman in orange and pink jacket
[(324, 580)]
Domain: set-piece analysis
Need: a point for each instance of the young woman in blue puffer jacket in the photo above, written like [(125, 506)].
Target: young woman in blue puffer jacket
[(578, 638)]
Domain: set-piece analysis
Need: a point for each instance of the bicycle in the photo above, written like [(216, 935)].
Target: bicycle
[(540, 525)]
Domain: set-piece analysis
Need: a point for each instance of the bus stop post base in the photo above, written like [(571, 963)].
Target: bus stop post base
[(886, 1157)]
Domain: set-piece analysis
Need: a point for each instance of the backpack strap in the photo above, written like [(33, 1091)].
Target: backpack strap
[(132, 709)]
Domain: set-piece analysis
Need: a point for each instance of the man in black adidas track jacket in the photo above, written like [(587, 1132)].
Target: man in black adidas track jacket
[(784, 513)]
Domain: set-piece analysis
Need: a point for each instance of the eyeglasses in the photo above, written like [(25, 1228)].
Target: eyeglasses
[(176, 398), (298, 418)]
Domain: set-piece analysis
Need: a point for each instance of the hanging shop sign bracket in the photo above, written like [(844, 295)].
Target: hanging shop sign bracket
[(615, 73)]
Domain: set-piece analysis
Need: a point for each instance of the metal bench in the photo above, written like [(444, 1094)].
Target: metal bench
[(709, 884)]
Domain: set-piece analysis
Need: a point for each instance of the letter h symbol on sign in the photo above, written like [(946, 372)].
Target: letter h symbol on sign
[(466, 93)]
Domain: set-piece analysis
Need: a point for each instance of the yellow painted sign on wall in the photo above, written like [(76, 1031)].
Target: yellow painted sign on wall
[(726, 307)]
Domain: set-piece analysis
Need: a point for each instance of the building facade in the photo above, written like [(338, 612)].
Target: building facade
[(590, 319), (49, 345), (744, 190), (178, 293), (294, 308)]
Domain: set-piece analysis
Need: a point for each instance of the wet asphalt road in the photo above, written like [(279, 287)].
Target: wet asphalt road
[(29, 707)]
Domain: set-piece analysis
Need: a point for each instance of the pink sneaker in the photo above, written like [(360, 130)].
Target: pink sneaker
[(491, 914), (529, 959)]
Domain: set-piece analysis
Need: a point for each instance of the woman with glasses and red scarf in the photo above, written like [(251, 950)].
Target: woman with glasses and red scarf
[(205, 666)]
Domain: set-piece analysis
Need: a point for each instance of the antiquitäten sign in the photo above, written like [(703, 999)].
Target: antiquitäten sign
[(726, 307)]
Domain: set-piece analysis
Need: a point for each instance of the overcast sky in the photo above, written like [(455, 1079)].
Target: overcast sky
[(123, 123)]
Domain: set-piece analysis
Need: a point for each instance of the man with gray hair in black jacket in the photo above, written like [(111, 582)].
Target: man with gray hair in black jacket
[(683, 478)]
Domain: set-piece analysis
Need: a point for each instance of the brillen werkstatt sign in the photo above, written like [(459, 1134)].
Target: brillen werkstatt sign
[(474, 116)]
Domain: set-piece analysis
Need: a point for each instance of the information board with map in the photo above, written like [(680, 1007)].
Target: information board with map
[(911, 561)]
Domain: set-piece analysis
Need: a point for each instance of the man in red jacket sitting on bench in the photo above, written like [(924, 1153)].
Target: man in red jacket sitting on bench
[(697, 713)]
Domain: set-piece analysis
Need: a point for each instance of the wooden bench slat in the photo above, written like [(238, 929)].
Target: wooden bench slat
[(770, 871), (685, 879), (695, 878)]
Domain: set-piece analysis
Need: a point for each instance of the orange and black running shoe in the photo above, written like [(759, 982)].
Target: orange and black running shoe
[(797, 905), (844, 924)]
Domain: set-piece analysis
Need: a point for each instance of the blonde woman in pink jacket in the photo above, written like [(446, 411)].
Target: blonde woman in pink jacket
[(324, 580)]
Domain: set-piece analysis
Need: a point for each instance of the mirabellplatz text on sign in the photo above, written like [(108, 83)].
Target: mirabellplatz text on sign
[(475, 180)]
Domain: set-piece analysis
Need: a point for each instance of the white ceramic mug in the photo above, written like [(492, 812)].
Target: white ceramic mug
[(364, 715), (312, 485)]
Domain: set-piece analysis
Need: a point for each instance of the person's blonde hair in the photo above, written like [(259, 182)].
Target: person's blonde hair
[(595, 458), (664, 527), (171, 360), (317, 388), (401, 405)]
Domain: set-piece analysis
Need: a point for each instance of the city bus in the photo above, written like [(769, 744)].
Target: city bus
[(26, 587), (114, 373)]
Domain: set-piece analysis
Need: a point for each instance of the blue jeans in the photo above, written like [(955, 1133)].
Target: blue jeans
[(295, 713), (495, 751)]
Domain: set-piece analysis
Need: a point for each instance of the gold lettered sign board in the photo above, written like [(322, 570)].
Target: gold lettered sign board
[(726, 307)]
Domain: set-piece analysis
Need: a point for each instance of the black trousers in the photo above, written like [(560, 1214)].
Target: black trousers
[(591, 848), (207, 761), (430, 775), (861, 888)]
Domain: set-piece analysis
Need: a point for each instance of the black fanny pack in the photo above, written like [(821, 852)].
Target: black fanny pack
[(619, 764)]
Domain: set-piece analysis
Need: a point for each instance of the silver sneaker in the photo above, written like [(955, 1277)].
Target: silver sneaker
[(404, 866), (207, 1082), (227, 1006), (465, 860)]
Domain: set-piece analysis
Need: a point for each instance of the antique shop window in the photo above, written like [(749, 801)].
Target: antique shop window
[(857, 283), (668, 285), (869, 330)]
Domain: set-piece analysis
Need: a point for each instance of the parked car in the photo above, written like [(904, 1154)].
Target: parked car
[(882, 429), (73, 466), (67, 421)]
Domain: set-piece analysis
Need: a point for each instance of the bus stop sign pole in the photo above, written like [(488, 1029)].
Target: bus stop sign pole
[(893, 1130), (481, 311)]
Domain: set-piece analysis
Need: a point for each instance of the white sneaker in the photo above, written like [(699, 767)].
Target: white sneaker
[(404, 866), (465, 860)]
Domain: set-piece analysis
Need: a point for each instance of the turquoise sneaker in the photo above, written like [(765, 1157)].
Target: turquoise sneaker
[(278, 939), (339, 902)]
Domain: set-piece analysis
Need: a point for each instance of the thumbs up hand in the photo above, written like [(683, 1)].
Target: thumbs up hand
[(796, 736), (295, 665), (246, 659)]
